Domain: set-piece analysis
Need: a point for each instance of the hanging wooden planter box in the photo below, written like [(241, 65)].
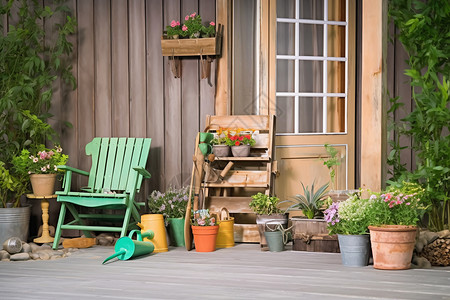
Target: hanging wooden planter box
[(191, 47)]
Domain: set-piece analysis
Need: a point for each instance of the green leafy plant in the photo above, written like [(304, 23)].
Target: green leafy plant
[(423, 31), (171, 204), (42, 161), (311, 202), (331, 163), (12, 187), (263, 204), (349, 216)]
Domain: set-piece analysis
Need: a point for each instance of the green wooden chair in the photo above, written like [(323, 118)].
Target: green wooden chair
[(117, 171)]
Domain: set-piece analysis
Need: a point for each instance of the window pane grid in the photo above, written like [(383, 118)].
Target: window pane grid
[(315, 95)]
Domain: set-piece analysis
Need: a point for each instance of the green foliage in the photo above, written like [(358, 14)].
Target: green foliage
[(311, 202), (423, 31), (171, 204), (11, 187), (192, 28), (332, 162), (30, 62), (28, 68), (263, 204)]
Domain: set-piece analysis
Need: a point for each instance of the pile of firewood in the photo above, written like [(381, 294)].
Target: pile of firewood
[(436, 247)]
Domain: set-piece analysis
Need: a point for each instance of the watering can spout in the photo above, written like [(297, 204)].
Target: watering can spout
[(121, 252)]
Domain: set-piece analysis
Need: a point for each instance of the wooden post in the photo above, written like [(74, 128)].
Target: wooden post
[(373, 118), (223, 84)]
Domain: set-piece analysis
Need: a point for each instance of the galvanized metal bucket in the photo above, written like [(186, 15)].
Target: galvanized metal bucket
[(14, 222)]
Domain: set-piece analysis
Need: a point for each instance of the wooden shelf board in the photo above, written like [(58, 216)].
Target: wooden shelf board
[(249, 158)]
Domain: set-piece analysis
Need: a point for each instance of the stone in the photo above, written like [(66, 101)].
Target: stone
[(444, 234), (34, 247), (20, 256), (430, 236), (6, 259), (44, 255), (4, 254), (26, 248), (105, 239), (34, 256), (419, 262), (46, 246)]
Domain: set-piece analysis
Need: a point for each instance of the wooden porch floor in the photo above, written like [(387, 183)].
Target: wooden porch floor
[(242, 272)]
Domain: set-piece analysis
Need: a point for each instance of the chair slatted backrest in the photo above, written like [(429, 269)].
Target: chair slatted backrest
[(113, 160)]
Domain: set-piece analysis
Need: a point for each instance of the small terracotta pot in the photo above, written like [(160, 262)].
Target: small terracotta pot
[(205, 237), (43, 184), (392, 246)]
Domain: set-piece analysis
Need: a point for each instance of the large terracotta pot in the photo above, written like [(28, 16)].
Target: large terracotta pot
[(392, 246), (43, 184)]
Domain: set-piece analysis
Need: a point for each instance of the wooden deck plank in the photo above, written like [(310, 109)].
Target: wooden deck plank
[(242, 272)]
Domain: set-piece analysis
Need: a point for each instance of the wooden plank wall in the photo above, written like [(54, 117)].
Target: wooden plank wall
[(126, 88), (398, 84)]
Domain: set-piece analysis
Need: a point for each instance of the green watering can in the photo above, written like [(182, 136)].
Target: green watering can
[(127, 248), (205, 142)]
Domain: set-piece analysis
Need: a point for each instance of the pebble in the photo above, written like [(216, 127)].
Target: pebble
[(6, 259), (26, 248), (34, 247), (106, 239), (20, 256), (34, 256), (4, 254), (44, 255)]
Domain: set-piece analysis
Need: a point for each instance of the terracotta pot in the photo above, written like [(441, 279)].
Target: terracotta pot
[(392, 246), (205, 238), (241, 150), (43, 184)]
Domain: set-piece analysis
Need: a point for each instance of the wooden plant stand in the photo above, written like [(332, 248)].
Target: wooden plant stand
[(45, 238)]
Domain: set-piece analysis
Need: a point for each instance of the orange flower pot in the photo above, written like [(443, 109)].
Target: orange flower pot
[(205, 237), (392, 246)]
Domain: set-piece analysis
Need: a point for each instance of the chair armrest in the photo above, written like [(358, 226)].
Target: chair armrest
[(143, 172), (75, 170)]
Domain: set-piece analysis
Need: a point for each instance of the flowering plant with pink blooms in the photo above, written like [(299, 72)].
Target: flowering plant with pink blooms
[(191, 28), (41, 161), (202, 217), (397, 205)]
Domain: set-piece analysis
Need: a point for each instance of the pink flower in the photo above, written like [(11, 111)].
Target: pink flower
[(399, 202), (212, 23), (173, 23), (43, 169), (42, 154), (35, 159), (408, 203), (201, 222), (186, 18), (184, 28), (178, 23), (193, 15)]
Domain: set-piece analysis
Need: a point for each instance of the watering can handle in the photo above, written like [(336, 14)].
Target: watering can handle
[(149, 233)]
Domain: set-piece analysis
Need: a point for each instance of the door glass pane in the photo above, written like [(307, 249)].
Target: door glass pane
[(285, 114), (336, 41), (311, 9), (336, 10), (335, 114), (310, 76), (336, 77), (286, 38), (286, 9), (285, 75), (310, 39), (310, 114), (244, 57)]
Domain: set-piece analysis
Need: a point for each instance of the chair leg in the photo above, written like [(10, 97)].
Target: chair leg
[(62, 216), (126, 222), (74, 213)]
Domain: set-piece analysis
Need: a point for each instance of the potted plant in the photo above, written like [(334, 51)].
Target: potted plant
[(220, 147), (267, 212), (310, 231), (393, 217), (348, 219), (41, 166), (204, 229), (172, 205), (240, 143)]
